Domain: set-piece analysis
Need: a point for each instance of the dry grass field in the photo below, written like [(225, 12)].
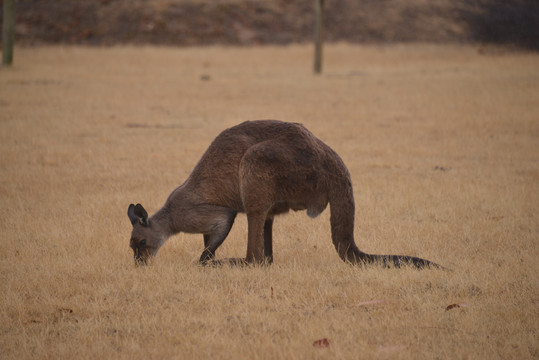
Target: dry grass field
[(442, 143)]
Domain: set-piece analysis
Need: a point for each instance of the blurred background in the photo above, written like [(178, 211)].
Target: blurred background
[(254, 22)]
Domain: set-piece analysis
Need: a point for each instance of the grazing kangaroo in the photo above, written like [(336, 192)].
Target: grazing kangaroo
[(262, 168)]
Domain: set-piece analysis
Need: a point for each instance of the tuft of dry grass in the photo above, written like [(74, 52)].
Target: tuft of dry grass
[(442, 144)]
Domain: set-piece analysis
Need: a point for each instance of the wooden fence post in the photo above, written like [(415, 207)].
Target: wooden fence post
[(8, 32), (318, 35)]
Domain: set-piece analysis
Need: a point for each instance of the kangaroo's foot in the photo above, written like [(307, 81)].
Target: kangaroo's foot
[(235, 262), (228, 261)]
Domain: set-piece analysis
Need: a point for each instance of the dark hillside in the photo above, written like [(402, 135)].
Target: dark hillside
[(247, 22)]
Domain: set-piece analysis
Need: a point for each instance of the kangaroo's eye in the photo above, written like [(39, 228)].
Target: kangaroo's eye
[(142, 243)]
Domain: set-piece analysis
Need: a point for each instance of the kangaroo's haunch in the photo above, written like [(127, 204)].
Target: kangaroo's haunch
[(262, 168)]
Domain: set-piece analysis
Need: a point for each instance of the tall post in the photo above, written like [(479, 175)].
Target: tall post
[(8, 32), (318, 35)]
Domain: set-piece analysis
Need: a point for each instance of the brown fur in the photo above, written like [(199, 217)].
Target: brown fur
[(262, 168)]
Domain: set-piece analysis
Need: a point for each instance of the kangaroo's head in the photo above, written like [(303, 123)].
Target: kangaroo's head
[(146, 237)]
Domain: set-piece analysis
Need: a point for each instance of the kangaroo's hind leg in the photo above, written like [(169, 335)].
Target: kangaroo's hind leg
[(258, 197), (268, 240)]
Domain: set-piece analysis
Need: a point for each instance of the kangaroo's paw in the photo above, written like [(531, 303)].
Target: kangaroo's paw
[(227, 261), (235, 261)]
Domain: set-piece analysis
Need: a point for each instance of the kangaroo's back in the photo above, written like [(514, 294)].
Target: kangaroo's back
[(216, 175)]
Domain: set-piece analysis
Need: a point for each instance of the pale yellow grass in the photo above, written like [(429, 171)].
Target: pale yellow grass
[(443, 147)]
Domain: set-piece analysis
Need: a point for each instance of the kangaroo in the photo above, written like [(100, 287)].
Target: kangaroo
[(261, 168)]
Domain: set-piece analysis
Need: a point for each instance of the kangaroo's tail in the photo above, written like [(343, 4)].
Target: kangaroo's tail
[(341, 200), (355, 256), (400, 260), (342, 234)]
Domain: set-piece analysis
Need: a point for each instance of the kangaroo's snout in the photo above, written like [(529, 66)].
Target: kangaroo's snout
[(142, 256), (139, 261)]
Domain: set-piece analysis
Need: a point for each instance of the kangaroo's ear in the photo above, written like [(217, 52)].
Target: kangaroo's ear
[(137, 214), (141, 214), (131, 214)]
